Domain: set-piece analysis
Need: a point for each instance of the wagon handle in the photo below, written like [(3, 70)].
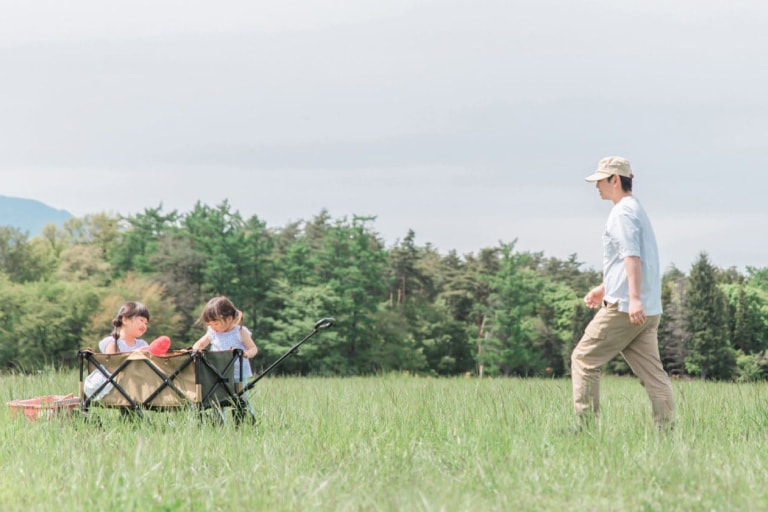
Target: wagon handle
[(324, 323), (320, 324)]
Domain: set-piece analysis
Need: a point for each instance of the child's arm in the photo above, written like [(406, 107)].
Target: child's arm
[(250, 347), (202, 342), (111, 347)]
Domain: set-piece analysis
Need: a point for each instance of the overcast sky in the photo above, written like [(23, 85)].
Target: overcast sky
[(470, 122)]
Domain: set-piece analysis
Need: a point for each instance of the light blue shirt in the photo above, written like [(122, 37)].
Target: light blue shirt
[(122, 346), (229, 340), (628, 232)]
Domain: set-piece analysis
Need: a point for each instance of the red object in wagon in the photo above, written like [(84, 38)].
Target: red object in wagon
[(159, 346), (44, 406)]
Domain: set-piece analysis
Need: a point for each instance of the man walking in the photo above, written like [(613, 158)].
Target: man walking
[(629, 299)]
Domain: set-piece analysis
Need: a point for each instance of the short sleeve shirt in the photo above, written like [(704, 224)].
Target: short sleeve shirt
[(122, 346), (229, 340), (628, 232)]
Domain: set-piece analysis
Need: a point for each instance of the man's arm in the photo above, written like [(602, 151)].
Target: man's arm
[(595, 296), (634, 278)]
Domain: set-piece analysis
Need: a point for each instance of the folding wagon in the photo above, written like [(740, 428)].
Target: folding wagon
[(141, 381)]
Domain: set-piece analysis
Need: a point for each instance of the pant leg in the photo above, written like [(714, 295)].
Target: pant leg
[(609, 332), (642, 355)]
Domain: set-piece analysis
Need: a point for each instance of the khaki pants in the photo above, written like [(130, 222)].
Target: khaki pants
[(609, 333)]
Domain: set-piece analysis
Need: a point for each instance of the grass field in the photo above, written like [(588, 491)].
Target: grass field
[(396, 443)]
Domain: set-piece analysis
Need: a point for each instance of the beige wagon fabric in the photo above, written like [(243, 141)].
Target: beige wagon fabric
[(140, 381)]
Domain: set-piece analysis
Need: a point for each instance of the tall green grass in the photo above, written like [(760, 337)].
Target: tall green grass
[(395, 443)]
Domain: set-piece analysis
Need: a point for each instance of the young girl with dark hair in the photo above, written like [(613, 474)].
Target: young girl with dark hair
[(128, 326), (225, 331)]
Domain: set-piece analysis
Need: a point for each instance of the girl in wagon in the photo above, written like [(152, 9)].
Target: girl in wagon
[(225, 331), (129, 326)]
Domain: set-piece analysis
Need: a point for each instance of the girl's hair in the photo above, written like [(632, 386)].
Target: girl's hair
[(128, 310), (219, 308)]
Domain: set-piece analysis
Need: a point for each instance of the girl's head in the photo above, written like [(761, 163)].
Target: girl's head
[(132, 319), (220, 314)]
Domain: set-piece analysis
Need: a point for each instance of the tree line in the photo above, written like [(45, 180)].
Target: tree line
[(401, 308)]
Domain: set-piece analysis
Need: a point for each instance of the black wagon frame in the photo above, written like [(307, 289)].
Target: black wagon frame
[(215, 387)]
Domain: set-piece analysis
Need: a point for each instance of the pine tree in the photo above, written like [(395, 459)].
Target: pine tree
[(743, 337), (711, 355), (673, 327), (510, 348)]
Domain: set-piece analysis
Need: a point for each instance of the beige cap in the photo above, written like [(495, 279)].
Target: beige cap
[(609, 166)]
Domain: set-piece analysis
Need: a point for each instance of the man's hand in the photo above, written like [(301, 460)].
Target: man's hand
[(636, 312), (594, 298)]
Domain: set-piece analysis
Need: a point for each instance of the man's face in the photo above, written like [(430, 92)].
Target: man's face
[(605, 187)]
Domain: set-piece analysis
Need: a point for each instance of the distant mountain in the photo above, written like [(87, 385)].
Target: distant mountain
[(29, 215)]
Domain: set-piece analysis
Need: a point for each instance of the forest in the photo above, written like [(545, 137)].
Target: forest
[(404, 308)]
